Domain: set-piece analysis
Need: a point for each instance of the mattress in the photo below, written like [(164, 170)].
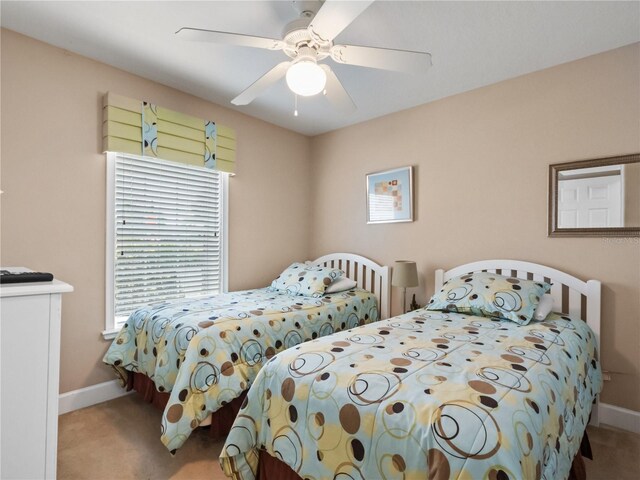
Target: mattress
[(206, 352), (452, 395)]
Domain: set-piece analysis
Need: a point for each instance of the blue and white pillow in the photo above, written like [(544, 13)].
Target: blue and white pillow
[(304, 279), (490, 295)]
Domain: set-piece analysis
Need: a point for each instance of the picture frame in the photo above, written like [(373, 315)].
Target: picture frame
[(390, 196)]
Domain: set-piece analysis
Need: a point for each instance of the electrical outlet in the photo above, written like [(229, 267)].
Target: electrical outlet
[(606, 376)]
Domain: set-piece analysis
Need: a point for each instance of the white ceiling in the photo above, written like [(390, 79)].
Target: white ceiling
[(472, 43)]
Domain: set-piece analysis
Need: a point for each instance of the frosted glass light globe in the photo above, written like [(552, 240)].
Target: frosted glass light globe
[(306, 78)]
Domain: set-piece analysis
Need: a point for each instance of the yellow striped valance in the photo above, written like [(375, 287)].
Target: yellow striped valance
[(142, 128)]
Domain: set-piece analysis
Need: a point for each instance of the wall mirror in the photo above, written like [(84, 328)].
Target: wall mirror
[(597, 198)]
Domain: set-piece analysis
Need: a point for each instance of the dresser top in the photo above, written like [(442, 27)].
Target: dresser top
[(32, 288)]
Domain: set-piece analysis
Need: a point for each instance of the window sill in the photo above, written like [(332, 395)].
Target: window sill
[(110, 334)]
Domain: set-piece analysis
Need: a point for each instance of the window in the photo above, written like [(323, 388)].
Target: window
[(165, 233)]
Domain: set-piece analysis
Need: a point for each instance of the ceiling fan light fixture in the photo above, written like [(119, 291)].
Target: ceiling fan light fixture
[(306, 78)]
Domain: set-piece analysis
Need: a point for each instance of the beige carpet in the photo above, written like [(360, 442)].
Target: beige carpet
[(120, 439)]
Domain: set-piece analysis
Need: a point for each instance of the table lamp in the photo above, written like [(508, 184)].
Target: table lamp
[(405, 274)]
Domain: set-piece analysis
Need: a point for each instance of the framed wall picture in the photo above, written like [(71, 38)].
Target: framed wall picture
[(390, 196)]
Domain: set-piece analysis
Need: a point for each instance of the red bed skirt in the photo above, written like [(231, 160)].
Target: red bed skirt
[(221, 420), (270, 467)]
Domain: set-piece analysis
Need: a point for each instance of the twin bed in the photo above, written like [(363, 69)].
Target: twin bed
[(436, 394), (433, 394), (195, 359)]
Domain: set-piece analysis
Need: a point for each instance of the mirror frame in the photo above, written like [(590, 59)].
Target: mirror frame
[(556, 168)]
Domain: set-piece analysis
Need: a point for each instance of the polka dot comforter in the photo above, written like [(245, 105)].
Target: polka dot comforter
[(206, 352), (424, 395)]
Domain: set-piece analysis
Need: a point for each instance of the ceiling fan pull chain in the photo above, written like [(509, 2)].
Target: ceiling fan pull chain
[(295, 105)]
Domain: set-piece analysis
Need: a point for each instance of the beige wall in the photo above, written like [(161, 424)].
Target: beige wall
[(53, 177), (481, 161)]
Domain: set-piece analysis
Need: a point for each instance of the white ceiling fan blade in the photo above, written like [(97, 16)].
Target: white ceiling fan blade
[(382, 58), (335, 16), (202, 35), (336, 94), (260, 85)]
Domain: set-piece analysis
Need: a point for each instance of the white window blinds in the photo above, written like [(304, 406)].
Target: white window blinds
[(168, 220)]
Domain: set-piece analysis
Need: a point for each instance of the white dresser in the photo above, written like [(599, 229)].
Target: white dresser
[(30, 367)]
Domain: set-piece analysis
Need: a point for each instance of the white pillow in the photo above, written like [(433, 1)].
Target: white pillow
[(544, 307), (340, 285)]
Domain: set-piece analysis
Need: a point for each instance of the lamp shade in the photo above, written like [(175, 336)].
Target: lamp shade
[(306, 78), (405, 274)]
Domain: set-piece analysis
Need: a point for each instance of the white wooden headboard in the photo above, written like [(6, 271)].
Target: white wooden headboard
[(570, 294), (367, 273)]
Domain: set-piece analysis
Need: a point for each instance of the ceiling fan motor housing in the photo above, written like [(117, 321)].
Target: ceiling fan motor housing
[(297, 38), (307, 54)]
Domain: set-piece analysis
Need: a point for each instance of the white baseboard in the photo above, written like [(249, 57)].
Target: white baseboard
[(85, 397), (619, 417)]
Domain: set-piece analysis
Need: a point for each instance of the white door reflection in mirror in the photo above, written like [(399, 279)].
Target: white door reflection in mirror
[(591, 197)]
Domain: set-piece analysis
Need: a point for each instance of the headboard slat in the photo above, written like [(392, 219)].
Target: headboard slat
[(575, 304), (556, 293), (359, 276)]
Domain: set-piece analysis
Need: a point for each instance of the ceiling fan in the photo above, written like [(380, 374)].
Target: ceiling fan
[(308, 40)]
